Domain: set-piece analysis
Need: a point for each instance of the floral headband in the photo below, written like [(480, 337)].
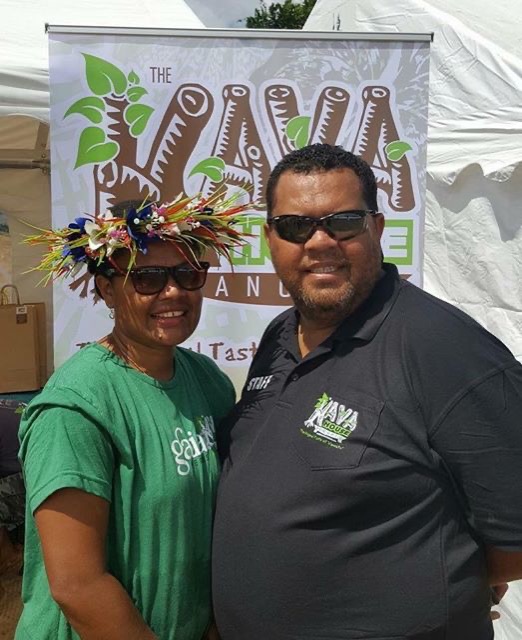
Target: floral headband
[(194, 224)]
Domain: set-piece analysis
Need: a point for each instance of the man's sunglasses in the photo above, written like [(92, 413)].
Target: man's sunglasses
[(148, 281), (341, 226)]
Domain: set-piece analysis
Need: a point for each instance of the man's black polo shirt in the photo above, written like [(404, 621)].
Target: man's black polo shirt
[(361, 482)]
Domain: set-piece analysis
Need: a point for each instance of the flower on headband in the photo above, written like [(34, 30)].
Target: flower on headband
[(79, 223), (135, 229), (93, 230), (77, 253), (193, 224)]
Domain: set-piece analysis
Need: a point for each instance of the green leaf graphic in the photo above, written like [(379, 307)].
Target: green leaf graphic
[(298, 130), (133, 77), (137, 116), (88, 107), (94, 148), (103, 77), (211, 167), (135, 93), (395, 151), (324, 399)]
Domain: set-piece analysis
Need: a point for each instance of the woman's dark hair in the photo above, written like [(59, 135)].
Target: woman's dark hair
[(318, 158)]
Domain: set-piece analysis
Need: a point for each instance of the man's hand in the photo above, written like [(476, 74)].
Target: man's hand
[(497, 593)]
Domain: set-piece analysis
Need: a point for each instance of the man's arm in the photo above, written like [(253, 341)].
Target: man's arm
[(72, 525), (503, 566), (480, 441)]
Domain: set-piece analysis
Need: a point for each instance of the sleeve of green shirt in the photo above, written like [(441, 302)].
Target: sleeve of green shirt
[(63, 445)]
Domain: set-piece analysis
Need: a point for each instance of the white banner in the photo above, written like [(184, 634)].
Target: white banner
[(138, 113)]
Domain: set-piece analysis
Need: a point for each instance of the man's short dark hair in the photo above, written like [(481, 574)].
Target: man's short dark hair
[(320, 158)]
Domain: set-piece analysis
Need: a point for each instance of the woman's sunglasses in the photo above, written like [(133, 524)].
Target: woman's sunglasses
[(148, 281), (341, 226)]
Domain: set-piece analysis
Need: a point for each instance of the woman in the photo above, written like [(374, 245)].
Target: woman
[(119, 450)]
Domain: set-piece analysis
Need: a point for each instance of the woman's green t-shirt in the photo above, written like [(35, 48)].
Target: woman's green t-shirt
[(148, 448)]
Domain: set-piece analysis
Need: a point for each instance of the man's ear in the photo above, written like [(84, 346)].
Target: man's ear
[(379, 223), (268, 235), (105, 289)]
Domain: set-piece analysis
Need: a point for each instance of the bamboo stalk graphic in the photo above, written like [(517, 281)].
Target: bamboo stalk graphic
[(330, 111), (376, 130), (239, 145), (281, 107)]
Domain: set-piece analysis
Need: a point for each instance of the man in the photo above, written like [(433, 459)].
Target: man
[(372, 481)]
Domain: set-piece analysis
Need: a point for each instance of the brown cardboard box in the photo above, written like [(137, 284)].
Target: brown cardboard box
[(22, 344)]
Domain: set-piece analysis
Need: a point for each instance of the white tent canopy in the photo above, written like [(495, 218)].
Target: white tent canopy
[(225, 13), (473, 233), (24, 110), (24, 64)]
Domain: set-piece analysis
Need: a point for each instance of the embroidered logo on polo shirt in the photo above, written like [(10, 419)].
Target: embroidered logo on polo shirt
[(259, 383), (330, 422)]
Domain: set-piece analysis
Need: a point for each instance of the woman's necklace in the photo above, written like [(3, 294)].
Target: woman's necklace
[(114, 345)]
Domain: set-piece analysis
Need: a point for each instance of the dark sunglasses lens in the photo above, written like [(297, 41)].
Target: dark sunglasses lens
[(293, 228), (149, 281), (346, 225), (189, 277)]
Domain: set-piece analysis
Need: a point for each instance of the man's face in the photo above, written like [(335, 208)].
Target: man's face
[(164, 319), (327, 278)]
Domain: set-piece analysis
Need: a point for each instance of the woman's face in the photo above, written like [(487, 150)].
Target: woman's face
[(164, 319)]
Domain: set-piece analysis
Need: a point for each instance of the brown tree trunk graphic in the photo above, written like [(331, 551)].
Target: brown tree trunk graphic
[(162, 176)]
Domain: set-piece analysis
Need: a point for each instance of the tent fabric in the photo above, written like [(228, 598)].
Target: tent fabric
[(225, 13), (24, 142), (25, 196), (473, 220), (24, 63), (475, 83)]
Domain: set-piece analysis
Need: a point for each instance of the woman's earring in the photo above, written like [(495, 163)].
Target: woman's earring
[(111, 313)]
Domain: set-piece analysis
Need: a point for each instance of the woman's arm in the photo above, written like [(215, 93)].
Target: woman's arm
[(72, 525)]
